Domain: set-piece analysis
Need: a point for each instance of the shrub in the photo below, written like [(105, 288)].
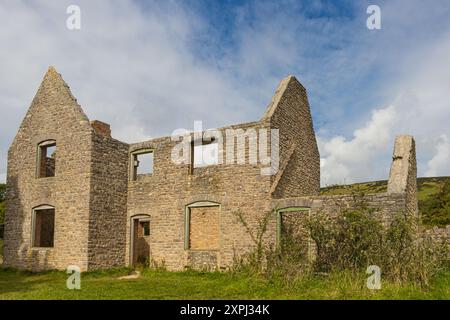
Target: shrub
[(356, 239), (286, 262), (351, 240), (436, 209), (254, 261)]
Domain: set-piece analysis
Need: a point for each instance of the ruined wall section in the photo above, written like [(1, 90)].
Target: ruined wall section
[(403, 173), (289, 112), (386, 205), (165, 194), (53, 114), (401, 197), (108, 202)]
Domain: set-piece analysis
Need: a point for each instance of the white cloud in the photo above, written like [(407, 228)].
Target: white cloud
[(345, 161), (441, 159), (136, 71), (421, 108)]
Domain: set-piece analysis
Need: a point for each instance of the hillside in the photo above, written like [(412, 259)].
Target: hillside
[(433, 195)]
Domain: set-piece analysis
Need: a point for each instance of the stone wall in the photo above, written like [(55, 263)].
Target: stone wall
[(165, 194), (386, 204), (241, 188), (53, 115), (403, 173), (88, 190), (108, 202), (289, 112)]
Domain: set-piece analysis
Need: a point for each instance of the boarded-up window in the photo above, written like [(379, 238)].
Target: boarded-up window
[(204, 228), (44, 228)]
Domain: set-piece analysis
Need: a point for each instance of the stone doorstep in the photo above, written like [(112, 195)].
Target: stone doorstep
[(135, 275)]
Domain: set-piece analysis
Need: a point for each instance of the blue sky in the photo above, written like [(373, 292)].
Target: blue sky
[(149, 67)]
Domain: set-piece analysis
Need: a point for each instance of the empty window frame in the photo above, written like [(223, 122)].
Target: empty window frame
[(202, 221), (46, 160), (43, 227), (205, 154), (142, 162), (145, 226)]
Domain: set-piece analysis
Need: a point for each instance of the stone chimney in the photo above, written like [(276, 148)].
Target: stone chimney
[(403, 174), (101, 128)]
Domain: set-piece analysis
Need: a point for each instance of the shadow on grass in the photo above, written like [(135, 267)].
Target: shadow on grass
[(15, 281)]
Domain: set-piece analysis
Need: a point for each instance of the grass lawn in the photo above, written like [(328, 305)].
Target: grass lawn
[(197, 285)]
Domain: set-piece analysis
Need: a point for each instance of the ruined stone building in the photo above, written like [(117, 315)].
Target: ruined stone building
[(77, 196)]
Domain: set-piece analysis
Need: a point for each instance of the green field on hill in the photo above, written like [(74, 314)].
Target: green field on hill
[(433, 195)]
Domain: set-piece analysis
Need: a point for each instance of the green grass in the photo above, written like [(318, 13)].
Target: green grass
[(197, 285)]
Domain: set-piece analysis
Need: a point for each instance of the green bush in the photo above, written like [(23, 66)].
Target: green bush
[(356, 239), (254, 261), (436, 210), (349, 241)]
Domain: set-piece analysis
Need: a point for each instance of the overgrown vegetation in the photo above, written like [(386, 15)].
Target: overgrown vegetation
[(350, 241), (433, 195), (436, 209)]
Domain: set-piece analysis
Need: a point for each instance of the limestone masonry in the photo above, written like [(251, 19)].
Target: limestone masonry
[(77, 196)]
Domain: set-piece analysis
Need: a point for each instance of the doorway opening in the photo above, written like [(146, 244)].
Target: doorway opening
[(140, 240)]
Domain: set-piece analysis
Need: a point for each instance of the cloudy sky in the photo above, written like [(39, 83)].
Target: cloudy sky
[(149, 67)]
